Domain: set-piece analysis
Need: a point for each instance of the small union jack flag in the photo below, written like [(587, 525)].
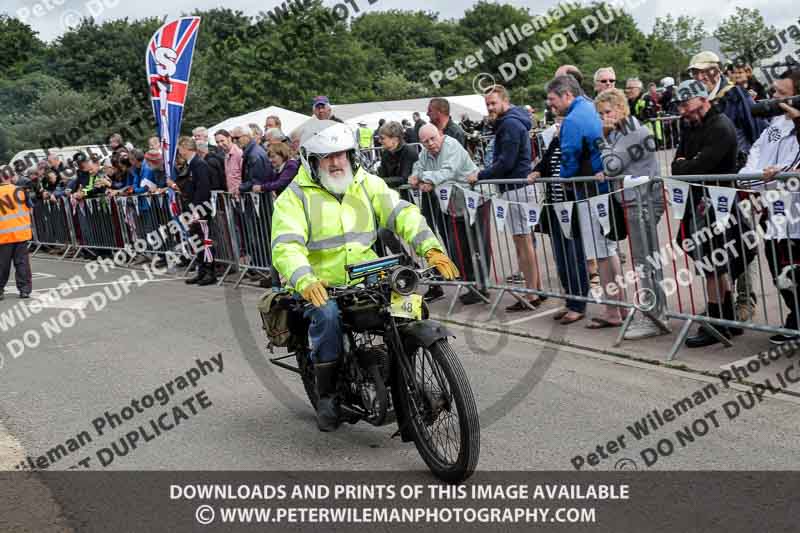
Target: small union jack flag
[(169, 64)]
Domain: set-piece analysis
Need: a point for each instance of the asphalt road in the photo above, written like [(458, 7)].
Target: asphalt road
[(541, 405)]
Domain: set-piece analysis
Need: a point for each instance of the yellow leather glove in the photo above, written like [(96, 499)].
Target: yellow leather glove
[(316, 293), (442, 263)]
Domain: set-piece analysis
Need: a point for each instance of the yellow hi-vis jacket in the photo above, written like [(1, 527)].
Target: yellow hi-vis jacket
[(15, 216), (314, 236)]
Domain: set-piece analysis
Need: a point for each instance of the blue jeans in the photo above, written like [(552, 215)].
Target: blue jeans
[(571, 263), (325, 332)]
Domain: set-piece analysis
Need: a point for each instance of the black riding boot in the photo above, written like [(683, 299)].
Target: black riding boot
[(327, 409), (703, 338)]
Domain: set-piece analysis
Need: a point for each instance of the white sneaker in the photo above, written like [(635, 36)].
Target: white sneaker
[(642, 328)]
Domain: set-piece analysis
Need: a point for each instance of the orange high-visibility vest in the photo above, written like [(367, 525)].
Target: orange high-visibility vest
[(15, 217)]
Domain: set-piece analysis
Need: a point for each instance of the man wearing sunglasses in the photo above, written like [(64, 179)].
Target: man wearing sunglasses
[(604, 78)]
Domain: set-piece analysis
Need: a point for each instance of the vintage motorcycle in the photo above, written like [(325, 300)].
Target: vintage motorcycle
[(396, 366)]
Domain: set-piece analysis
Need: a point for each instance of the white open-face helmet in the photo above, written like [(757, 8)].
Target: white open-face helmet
[(668, 82), (324, 137)]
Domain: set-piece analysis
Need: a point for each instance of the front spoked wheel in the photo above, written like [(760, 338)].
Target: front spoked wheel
[(443, 414)]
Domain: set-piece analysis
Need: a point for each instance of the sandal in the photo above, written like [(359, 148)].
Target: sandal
[(568, 321), (560, 314), (519, 306), (601, 323)]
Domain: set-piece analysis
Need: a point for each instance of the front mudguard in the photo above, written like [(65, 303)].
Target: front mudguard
[(423, 333), (414, 334)]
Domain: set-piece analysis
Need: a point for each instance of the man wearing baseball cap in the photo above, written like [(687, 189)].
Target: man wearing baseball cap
[(736, 103), (708, 147), (322, 109)]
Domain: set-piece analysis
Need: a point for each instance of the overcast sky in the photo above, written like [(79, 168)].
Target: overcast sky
[(51, 22)]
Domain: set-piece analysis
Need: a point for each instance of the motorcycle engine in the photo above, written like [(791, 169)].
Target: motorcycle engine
[(374, 355), (374, 367)]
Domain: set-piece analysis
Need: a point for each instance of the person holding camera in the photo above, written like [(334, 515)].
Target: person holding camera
[(778, 150)]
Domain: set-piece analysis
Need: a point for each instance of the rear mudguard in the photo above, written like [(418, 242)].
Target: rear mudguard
[(419, 333)]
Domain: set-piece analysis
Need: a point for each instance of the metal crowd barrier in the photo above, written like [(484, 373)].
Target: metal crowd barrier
[(225, 247), (732, 223), (508, 237), (52, 226), (545, 253), (664, 277), (459, 238), (238, 227), (97, 225), (252, 223), (139, 216)]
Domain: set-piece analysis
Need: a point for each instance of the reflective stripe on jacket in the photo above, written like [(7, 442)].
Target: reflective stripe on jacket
[(15, 217), (314, 235)]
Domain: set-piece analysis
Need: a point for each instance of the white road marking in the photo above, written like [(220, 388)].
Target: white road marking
[(58, 303), (537, 315), (35, 275), (62, 303), (105, 283)]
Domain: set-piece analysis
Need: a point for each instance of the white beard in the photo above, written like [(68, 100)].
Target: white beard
[(336, 185)]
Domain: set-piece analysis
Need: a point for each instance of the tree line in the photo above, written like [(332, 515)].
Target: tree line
[(90, 81)]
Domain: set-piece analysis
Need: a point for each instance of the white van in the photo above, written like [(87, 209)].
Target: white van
[(28, 159)]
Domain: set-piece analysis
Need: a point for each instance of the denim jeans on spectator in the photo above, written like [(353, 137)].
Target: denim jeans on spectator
[(570, 262), (643, 215)]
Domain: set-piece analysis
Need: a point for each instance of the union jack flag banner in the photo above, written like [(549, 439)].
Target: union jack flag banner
[(169, 63)]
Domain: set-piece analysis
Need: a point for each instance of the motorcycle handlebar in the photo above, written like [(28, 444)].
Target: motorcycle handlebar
[(338, 291)]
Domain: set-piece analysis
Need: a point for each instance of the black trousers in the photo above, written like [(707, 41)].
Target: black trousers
[(780, 254), (16, 253), (462, 247)]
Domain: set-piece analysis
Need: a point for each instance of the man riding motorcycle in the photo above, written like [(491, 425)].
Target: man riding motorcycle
[(328, 218)]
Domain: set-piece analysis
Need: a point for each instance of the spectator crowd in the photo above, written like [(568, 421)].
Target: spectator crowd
[(580, 136)]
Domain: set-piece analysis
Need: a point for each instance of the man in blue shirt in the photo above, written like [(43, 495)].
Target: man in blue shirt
[(580, 156)]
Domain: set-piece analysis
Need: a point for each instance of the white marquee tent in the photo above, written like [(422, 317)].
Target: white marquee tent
[(472, 105), (289, 120)]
